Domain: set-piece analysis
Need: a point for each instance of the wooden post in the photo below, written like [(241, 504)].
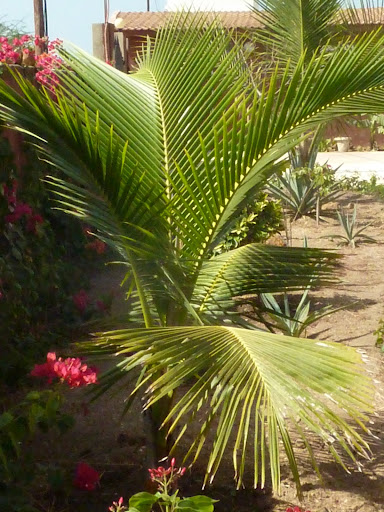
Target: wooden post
[(39, 23)]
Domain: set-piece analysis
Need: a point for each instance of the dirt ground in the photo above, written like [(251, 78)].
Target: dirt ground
[(117, 447)]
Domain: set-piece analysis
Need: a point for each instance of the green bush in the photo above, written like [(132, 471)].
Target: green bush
[(257, 223), (370, 187)]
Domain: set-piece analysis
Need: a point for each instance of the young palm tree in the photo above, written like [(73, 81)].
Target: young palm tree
[(160, 162)]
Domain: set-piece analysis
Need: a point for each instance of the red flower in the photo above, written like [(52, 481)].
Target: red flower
[(81, 300), (86, 477), (32, 222), (294, 509), (47, 369), (10, 193), (166, 476), (71, 370)]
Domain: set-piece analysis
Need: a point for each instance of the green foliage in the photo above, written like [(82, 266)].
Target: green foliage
[(19, 470), (353, 235), (11, 29), (326, 145), (145, 502), (379, 333), (302, 191), (355, 184), (257, 223)]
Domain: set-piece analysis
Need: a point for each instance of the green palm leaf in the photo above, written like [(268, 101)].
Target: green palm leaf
[(255, 269), (252, 382), (310, 27)]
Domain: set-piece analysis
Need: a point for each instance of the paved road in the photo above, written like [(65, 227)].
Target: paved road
[(364, 163)]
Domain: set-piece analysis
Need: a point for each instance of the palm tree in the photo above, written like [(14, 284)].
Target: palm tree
[(160, 162), (314, 25)]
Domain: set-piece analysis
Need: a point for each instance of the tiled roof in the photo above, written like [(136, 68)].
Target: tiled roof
[(235, 19), (154, 20)]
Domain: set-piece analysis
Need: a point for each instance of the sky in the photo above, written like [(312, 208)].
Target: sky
[(70, 19)]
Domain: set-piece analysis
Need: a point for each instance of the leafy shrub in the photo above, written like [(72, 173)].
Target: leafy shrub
[(369, 187), (45, 258), (19, 472), (257, 223)]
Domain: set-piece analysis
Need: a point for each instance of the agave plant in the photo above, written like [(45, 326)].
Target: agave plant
[(292, 322), (160, 162), (352, 233), (300, 193)]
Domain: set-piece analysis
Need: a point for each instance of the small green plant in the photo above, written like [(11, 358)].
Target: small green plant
[(304, 191), (370, 187), (164, 499), (326, 145), (257, 223), (352, 233), (20, 473), (288, 320)]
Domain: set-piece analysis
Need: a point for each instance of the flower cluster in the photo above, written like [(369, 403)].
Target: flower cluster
[(295, 509), (18, 209), (70, 370), (86, 477), (83, 304), (20, 50), (117, 506), (166, 477), (47, 65)]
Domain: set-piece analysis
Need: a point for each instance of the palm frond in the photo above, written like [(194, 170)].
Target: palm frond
[(294, 27), (258, 388), (254, 269)]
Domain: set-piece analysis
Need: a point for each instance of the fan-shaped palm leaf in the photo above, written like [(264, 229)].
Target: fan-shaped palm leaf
[(253, 384)]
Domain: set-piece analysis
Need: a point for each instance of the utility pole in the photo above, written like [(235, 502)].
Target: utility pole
[(38, 10)]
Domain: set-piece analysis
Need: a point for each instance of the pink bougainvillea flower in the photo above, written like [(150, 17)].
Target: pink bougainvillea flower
[(86, 477), (46, 370), (81, 300), (70, 370), (75, 373)]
